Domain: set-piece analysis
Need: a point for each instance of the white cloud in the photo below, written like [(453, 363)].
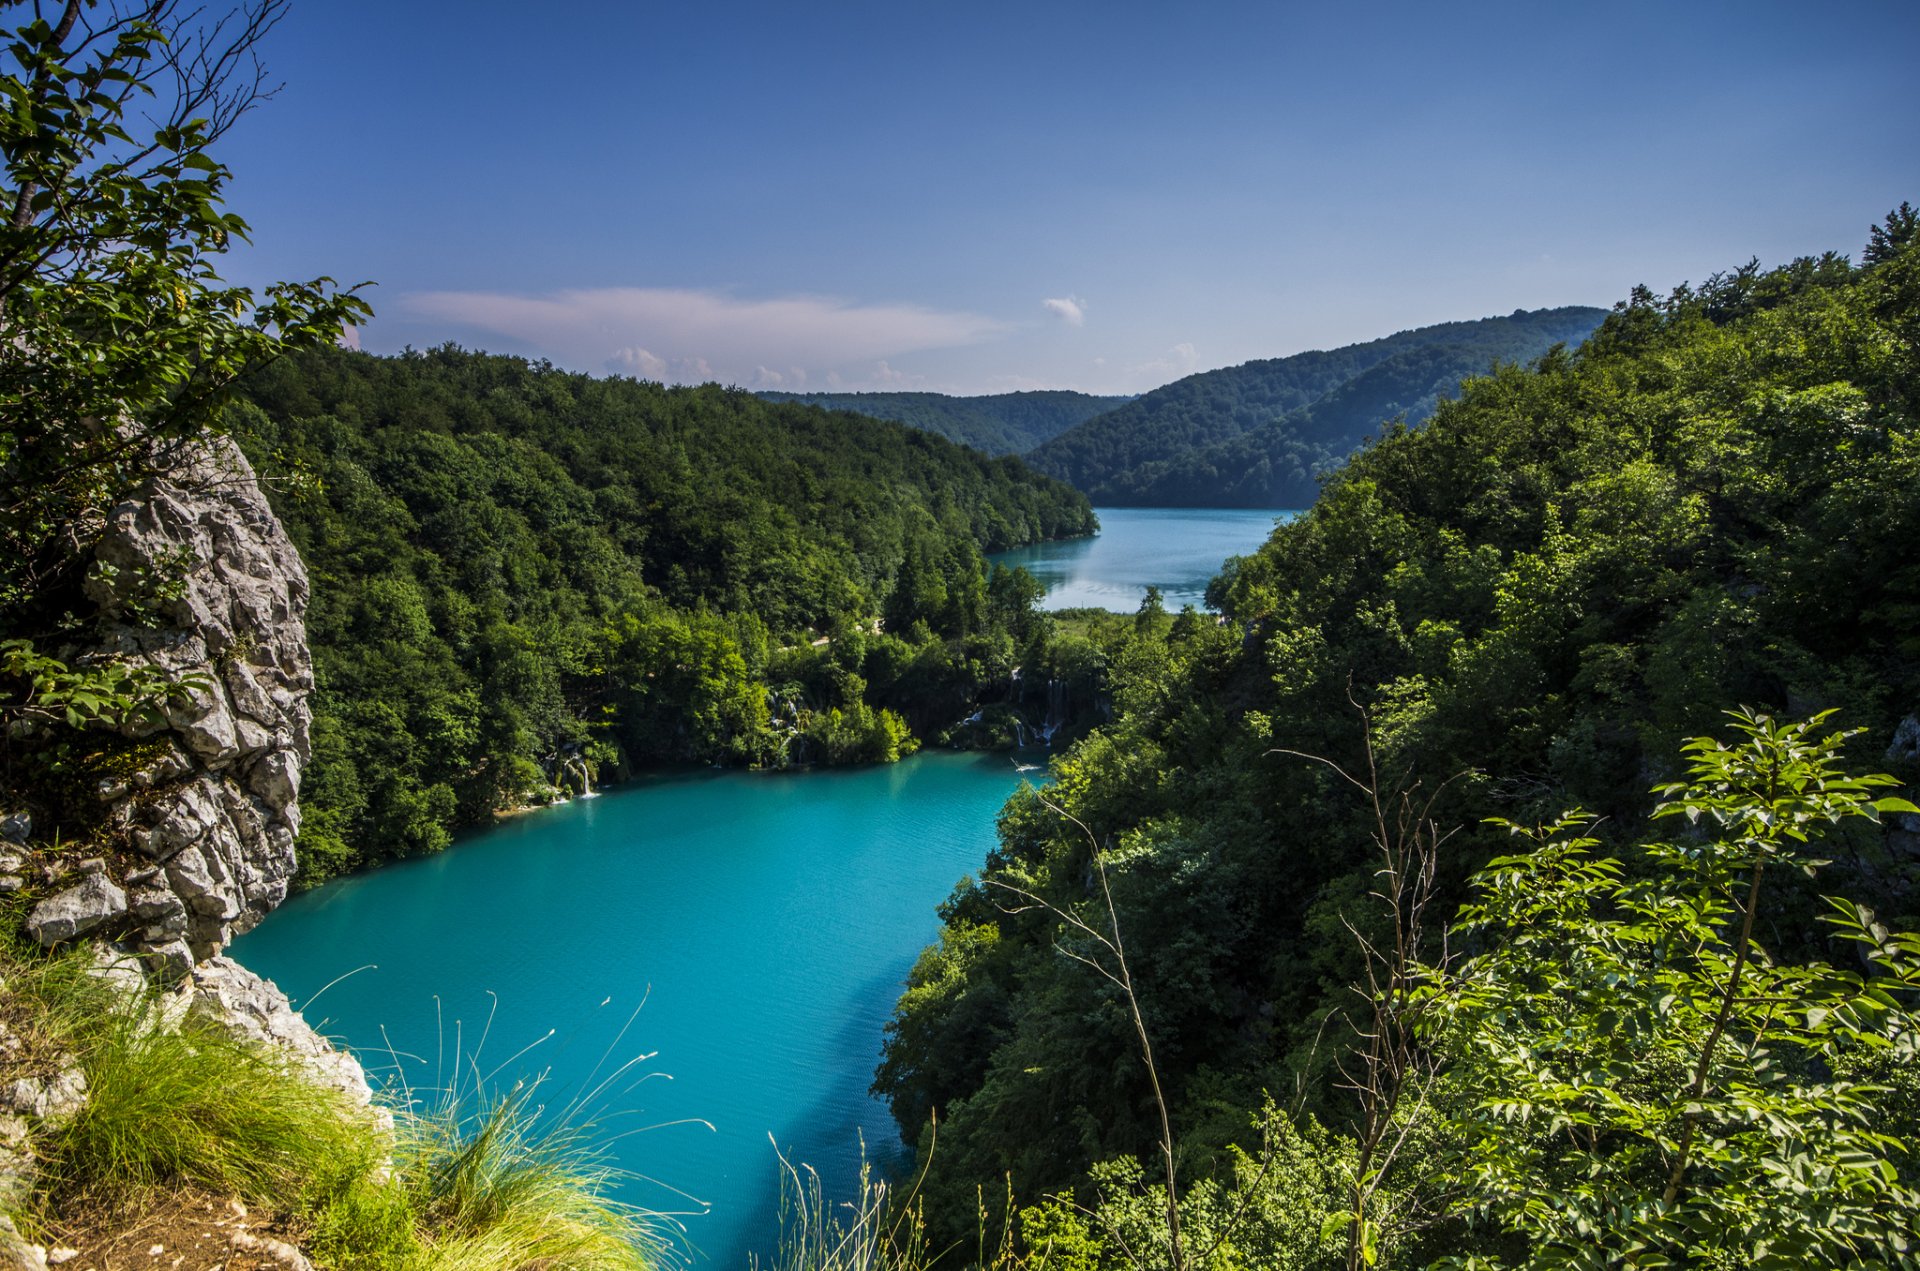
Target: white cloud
[(349, 336), (793, 379), (691, 336), (890, 378), (637, 362), (1071, 310)]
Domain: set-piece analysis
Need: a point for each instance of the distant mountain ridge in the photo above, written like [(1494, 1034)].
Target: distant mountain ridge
[(999, 423), (1259, 434)]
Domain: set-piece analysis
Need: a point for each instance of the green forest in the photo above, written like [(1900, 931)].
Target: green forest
[(1516, 870), (1263, 433), (524, 579), (1524, 609), (998, 423)]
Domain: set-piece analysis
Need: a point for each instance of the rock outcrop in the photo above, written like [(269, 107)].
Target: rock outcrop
[(195, 576), (79, 908), (256, 1010)]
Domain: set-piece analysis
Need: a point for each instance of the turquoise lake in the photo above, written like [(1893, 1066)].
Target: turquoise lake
[(1178, 550), (767, 920)]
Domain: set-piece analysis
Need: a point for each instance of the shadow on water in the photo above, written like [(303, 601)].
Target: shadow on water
[(826, 1133)]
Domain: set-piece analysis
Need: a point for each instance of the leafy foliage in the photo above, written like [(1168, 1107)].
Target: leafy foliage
[(1638, 1076), (1548, 587), (118, 340), (520, 575)]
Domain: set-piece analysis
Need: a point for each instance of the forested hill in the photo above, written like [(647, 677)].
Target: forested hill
[(519, 573), (999, 423), (1537, 597), (1259, 434)]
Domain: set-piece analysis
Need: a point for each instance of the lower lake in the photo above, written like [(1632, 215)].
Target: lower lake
[(762, 924), (767, 921), (1178, 550)]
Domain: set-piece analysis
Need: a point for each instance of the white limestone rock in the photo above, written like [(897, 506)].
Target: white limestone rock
[(15, 1253), (256, 1009), (89, 904), (217, 806)]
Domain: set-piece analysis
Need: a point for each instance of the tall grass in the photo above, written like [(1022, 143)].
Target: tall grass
[(501, 1185), (178, 1101), (872, 1232), (465, 1181)]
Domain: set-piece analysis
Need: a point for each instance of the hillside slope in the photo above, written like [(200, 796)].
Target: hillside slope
[(998, 423), (1536, 596), (1259, 434), (521, 574)]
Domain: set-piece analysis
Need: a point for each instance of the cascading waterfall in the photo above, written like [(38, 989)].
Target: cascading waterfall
[(572, 778), (1028, 734), (1056, 710)]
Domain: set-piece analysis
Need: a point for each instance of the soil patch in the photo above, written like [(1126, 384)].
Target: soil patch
[(190, 1231)]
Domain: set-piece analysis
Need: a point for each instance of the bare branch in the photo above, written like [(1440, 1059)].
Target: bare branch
[(1121, 977)]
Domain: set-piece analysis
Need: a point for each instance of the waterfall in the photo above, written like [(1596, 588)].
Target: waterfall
[(572, 777), (1056, 710)]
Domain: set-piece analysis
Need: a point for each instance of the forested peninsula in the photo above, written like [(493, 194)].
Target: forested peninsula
[(526, 579), (1522, 608)]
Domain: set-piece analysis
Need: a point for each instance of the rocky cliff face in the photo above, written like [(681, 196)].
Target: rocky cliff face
[(197, 577)]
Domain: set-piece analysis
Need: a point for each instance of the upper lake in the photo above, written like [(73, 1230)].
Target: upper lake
[(1178, 550)]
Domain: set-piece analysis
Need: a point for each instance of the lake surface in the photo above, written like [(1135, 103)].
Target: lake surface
[(768, 922), (1178, 550)]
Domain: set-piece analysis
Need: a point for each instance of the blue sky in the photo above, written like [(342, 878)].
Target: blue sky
[(984, 197)]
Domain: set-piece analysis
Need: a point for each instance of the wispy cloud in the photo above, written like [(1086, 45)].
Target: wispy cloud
[(1071, 310), (637, 362), (1176, 363), (688, 335)]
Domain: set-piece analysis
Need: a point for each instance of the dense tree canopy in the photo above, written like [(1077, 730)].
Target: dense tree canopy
[(998, 423), (1539, 593), (522, 576)]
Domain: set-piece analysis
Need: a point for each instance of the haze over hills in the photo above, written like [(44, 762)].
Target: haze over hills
[(1000, 423), (1260, 434), (1256, 435)]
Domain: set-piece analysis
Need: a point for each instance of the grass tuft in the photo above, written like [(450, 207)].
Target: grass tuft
[(874, 1231), (472, 1182), (499, 1185)]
